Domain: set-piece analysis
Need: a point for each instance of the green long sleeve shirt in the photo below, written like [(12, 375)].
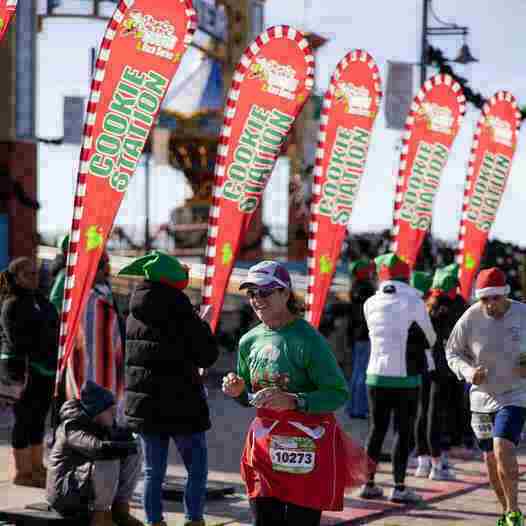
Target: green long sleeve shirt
[(296, 358)]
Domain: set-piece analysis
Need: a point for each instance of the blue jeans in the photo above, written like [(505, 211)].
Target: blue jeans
[(194, 453), (358, 404)]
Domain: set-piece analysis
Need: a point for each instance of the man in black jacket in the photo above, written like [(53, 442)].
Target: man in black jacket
[(93, 466), (166, 344)]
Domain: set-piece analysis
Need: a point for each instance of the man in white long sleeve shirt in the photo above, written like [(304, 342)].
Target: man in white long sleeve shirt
[(484, 349)]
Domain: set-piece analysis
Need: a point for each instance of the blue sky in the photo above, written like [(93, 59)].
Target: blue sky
[(388, 30)]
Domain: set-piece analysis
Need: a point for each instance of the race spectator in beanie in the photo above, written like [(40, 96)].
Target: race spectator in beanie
[(28, 357), (167, 342), (395, 315), (287, 370), (93, 465), (485, 349), (361, 274), (434, 397)]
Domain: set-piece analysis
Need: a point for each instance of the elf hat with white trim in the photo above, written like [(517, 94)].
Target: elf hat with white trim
[(491, 282)]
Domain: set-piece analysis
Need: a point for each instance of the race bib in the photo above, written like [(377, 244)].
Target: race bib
[(292, 454), (482, 425)]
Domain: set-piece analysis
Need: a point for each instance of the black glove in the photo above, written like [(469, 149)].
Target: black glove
[(113, 449)]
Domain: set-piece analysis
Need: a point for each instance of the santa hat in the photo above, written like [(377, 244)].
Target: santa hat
[(390, 266), (491, 282), (361, 269)]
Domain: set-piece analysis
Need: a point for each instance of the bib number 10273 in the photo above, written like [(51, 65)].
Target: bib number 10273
[(292, 454)]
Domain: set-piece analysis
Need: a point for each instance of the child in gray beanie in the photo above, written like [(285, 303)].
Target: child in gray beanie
[(93, 466)]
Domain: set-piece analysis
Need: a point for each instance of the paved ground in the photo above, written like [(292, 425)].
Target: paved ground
[(468, 501)]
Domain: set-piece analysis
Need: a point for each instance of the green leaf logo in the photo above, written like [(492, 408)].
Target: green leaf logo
[(227, 253), (94, 239), (470, 262), (325, 265)]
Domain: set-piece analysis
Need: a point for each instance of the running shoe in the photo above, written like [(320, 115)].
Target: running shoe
[(423, 469), (441, 473), (412, 461), (405, 497), (514, 518), (502, 521), (371, 492), (444, 460)]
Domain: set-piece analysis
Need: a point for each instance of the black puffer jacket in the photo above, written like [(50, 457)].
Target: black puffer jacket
[(79, 442), (361, 291), (29, 327), (166, 343)]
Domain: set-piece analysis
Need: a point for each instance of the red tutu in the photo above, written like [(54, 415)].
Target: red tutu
[(304, 459)]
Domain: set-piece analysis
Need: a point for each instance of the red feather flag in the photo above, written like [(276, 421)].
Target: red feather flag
[(494, 145), (140, 53), (270, 86), (431, 128), (350, 107)]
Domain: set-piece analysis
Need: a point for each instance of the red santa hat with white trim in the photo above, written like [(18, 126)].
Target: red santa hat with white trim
[(491, 282)]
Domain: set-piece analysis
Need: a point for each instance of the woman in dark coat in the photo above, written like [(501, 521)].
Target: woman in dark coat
[(28, 356), (166, 344)]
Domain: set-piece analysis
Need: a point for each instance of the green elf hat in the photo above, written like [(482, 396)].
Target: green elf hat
[(390, 266), (445, 280), (421, 281), (160, 267), (361, 269)]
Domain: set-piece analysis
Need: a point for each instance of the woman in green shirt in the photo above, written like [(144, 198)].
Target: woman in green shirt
[(287, 370)]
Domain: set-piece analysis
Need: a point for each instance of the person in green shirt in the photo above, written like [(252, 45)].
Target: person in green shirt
[(287, 370)]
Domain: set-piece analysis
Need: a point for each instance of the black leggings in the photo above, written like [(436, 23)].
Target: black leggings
[(273, 512), (458, 414), (402, 404), (428, 428), (31, 410)]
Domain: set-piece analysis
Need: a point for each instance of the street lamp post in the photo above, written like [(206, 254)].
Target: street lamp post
[(444, 29)]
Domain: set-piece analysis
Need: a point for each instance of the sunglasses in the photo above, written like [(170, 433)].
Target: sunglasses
[(260, 293)]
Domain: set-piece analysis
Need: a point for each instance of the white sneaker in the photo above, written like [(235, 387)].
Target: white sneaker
[(423, 469), (371, 492), (412, 462), (444, 460), (405, 497), (441, 473)]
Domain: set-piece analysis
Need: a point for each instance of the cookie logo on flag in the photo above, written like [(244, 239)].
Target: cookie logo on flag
[(357, 99), (94, 238), (501, 130), (155, 37), (279, 79), (439, 118)]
